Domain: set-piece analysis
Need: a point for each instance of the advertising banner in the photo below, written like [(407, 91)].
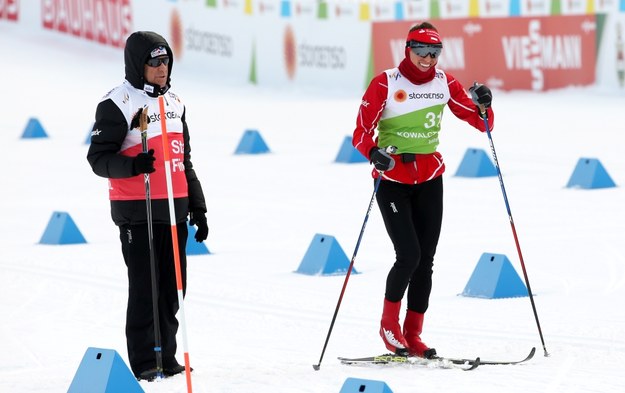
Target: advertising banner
[(337, 44), (525, 53), (534, 7), (345, 10), (107, 22), (330, 52), (456, 9), (493, 9), (416, 10), (205, 36), (9, 10), (611, 53), (210, 39), (605, 6)]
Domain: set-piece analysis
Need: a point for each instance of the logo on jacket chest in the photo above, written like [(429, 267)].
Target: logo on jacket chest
[(177, 147), (401, 95), (154, 117)]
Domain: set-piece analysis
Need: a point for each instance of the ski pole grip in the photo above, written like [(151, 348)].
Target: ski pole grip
[(483, 111), (391, 149), (474, 98), (143, 119)]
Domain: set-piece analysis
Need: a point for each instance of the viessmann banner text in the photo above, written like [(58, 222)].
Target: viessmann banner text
[(527, 53)]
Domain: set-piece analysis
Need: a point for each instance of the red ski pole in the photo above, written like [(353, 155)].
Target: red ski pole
[(174, 239)]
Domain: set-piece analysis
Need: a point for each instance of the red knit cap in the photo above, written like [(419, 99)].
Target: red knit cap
[(426, 36)]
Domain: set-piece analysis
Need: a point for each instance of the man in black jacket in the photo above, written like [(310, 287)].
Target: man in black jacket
[(116, 153)]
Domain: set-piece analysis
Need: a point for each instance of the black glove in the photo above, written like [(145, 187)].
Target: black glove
[(381, 159), (136, 119), (144, 162), (481, 95), (199, 218)]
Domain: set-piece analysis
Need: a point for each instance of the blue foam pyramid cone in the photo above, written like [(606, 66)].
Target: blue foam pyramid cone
[(251, 143), (589, 173), (34, 129), (494, 277), (348, 153), (103, 371), (324, 256), (193, 247), (61, 229), (476, 163), (357, 385)]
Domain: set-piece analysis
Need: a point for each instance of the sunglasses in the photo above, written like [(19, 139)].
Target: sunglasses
[(156, 62), (423, 50)]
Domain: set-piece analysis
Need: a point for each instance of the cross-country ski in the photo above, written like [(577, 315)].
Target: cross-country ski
[(436, 361)]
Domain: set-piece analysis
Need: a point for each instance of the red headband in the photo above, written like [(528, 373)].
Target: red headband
[(427, 36)]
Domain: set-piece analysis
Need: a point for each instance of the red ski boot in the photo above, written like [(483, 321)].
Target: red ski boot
[(413, 326), (390, 331)]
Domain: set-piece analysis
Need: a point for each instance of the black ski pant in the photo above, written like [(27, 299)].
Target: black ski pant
[(139, 314), (412, 214)]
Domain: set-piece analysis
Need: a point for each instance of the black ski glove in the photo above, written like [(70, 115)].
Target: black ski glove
[(144, 162), (381, 159), (481, 95), (198, 218)]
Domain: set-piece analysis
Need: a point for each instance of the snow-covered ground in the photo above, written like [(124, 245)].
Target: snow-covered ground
[(253, 324)]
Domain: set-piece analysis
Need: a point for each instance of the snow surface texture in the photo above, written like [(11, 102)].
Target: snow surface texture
[(253, 324)]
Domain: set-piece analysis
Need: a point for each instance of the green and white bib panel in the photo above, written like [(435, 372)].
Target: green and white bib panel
[(411, 119)]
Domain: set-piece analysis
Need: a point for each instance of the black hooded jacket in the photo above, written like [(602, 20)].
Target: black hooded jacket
[(137, 51), (110, 136)]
